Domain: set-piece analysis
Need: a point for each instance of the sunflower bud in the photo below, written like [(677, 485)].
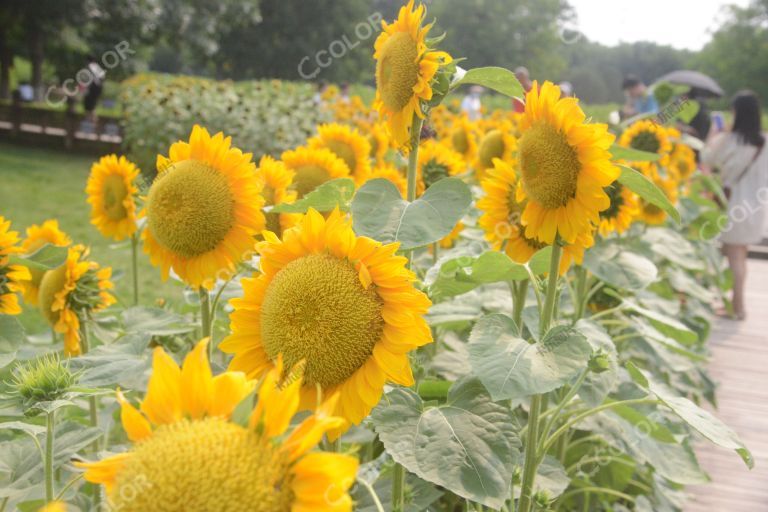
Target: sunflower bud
[(43, 380), (599, 362)]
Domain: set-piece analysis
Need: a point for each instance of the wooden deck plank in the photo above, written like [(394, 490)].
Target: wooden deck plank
[(739, 364)]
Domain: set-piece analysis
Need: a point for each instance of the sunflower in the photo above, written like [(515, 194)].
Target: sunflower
[(389, 172), (111, 190), (70, 293), (496, 143), (344, 304), (463, 138), (450, 239), (405, 67), (348, 144), (37, 237), (379, 141), (188, 454), (438, 161), (12, 277), (277, 180), (501, 214), (203, 209), (682, 161), (623, 210), (646, 135), (649, 212), (564, 167), (312, 167)]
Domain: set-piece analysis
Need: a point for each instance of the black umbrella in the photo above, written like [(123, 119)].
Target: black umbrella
[(703, 84)]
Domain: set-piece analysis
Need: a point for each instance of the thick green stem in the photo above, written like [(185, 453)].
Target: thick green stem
[(205, 318), (135, 265), (49, 442), (532, 439), (398, 488), (93, 402), (519, 292), (581, 292)]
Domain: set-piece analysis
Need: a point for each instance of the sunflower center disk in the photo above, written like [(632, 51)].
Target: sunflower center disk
[(308, 178), (317, 310), (645, 141), (207, 464), (190, 208), (398, 71), (460, 141), (491, 147), (114, 193), (343, 151), (52, 283), (550, 166)]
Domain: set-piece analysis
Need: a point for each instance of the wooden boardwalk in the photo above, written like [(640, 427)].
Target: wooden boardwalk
[(740, 366)]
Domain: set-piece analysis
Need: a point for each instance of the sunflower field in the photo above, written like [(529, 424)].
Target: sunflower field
[(388, 307)]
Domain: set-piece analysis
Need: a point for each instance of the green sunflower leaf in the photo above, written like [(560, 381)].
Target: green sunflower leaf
[(499, 79), (379, 212), (632, 155), (47, 257), (645, 188), (326, 197), (469, 445)]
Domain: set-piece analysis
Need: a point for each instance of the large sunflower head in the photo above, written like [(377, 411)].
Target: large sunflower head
[(343, 304), (348, 144), (203, 209), (312, 167), (12, 277), (501, 214), (47, 233), (646, 135), (70, 293), (405, 67), (112, 192), (276, 179), (622, 211), (438, 161), (379, 141), (497, 142), (186, 449), (564, 167)]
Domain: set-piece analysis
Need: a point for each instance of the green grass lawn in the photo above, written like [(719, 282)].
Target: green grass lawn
[(40, 184)]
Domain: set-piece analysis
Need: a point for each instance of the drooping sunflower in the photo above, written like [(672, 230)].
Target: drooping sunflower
[(646, 135), (344, 304), (348, 144), (463, 137), (12, 277), (112, 191), (564, 167), (405, 67), (622, 212), (38, 236), (189, 455), (388, 171), (203, 209), (71, 292), (682, 161), (501, 214), (437, 161), (277, 180), (313, 167), (495, 143)]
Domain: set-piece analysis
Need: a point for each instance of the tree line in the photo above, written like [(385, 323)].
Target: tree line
[(332, 40)]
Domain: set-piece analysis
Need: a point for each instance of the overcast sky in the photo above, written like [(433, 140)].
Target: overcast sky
[(679, 23)]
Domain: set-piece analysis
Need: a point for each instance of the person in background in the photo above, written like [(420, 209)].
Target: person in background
[(701, 122), (638, 99), (471, 104), (344, 92), (524, 78), (740, 156), (94, 90)]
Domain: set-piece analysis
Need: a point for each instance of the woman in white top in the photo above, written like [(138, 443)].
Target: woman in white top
[(742, 159)]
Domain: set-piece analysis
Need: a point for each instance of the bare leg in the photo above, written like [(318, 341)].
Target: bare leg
[(737, 259)]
